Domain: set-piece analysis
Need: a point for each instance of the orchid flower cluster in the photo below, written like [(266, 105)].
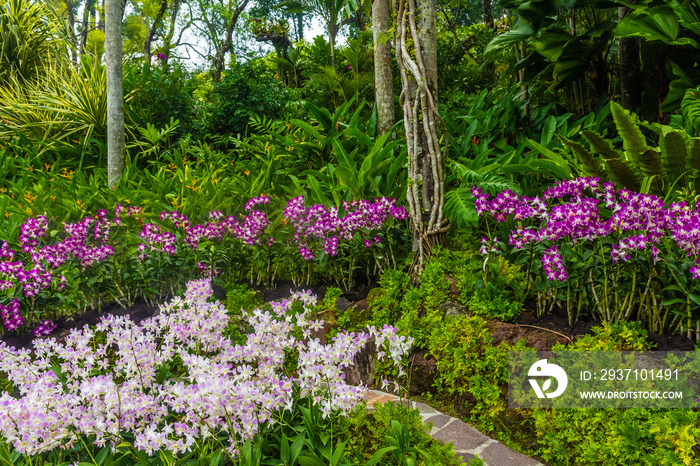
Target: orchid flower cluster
[(80, 389), (319, 223), (579, 219), (91, 241)]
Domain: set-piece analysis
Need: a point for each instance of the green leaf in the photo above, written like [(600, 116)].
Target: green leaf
[(521, 31), (674, 153), (551, 155), (215, 458), (658, 23), (378, 455), (624, 174), (651, 165), (632, 138), (592, 165), (601, 145), (305, 460), (690, 107)]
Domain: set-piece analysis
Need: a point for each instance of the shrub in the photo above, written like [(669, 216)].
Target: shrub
[(245, 90)]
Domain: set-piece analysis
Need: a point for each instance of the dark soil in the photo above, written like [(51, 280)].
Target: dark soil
[(556, 322), (138, 313)]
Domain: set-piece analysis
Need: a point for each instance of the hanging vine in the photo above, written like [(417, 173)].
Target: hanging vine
[(426, 191)]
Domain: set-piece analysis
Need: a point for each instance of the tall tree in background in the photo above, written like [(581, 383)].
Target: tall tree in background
[(152, 31), (630, 69), (226, 45), (85, 26), (416, 54), (488, 15), (383, 79), (115, 94)]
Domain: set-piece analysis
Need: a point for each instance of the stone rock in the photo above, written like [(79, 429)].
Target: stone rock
[(462, 436), (453, 308), (329, 322), (342, 304), (541, 340), (453, 290), (363, 367), (497, 454), (423, 374), (373, 294), (219, 293)]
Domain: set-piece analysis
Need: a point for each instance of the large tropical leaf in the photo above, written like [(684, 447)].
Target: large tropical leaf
[(658, 23), (633, 140), (521, 31), (691, 109), (624, 175), (601, 145), (459, 208), (651, 165), (674, 153), (591, 164)]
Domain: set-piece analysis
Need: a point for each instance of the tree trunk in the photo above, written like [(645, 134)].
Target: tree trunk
[(226, 46), (171, 30), (85, 25), (630, 82), (70, 5), (488, 15), (300, 26), (426, 190), (115, 94), (152, 32), (383, 80)]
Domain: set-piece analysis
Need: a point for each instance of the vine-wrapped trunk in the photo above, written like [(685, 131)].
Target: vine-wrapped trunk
[(418, 69)]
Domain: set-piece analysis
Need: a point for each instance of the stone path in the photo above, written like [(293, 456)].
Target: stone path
[(467, 441)]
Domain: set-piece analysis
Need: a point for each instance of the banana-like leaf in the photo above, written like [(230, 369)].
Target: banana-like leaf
[(690, 107), (693, 162), (677, 88), (591, 164), (674, 152), (601, 145), (652, 166), (624, 174), (632, 138)]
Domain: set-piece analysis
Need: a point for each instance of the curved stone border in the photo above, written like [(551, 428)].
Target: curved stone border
[(467, 441)]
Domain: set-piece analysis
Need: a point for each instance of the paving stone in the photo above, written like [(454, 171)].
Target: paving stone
[(466, 457), (498, 454), (461, 435), (379, 399), (438, 421), (423, 408)]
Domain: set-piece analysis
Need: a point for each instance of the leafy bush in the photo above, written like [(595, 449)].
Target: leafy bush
[(622, 336), (617, 436), (491, 288), (472, 371), (367, 432), (385, 307), (157, 96), (245, 90)]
